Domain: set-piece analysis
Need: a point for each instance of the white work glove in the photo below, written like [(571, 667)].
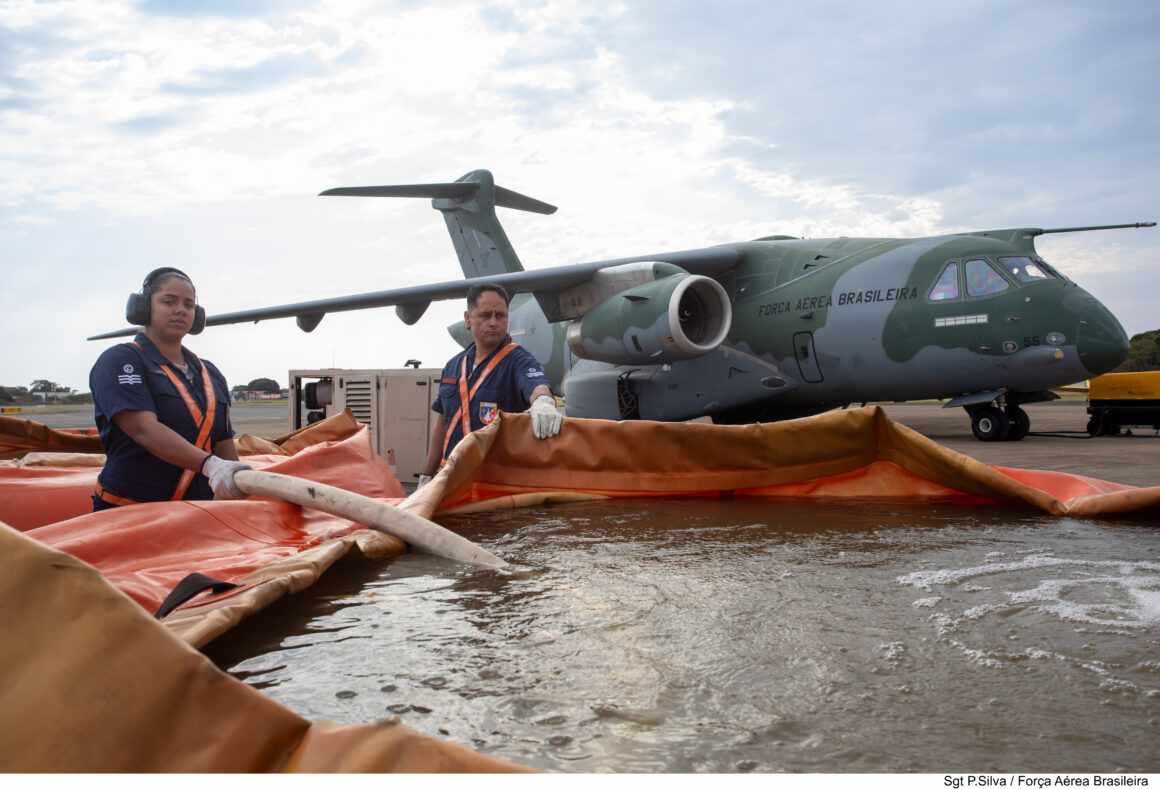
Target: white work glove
[(221, 477), (423, 480), (546, 420)]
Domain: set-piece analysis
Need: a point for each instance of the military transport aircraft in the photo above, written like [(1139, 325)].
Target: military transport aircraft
[(773, 328)]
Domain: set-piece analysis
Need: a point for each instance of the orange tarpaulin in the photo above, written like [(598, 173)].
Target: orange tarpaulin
[(849, 453), (146, 549), (270, 548), (93, 684), (18, 436), (59, 481)]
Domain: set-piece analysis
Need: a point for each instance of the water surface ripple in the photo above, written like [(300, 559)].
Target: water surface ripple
[(761, 635)]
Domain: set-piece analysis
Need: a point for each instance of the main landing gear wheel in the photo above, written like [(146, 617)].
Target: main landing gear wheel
[(1020, 424), (989, 423)]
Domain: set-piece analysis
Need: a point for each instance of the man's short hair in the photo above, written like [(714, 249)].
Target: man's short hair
[(475, 291)]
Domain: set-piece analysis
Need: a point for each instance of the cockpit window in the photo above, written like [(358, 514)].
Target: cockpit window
[(1043, 264), (1025, 269), (982, 280), (947, 286)]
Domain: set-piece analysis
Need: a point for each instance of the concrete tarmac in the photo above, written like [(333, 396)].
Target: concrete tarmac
[(267, 420), (1133, 460)]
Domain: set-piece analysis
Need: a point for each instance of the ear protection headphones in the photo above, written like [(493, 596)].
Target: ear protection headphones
[(138, 309)]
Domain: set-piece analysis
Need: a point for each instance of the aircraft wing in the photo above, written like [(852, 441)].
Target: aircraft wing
[(410, 303)]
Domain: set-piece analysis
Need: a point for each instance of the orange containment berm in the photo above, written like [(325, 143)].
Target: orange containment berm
[(79, 588)]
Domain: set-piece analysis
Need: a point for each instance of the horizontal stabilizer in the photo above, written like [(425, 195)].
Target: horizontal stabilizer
[(460, 190), (453, 191), (468, 208), (509, 199)]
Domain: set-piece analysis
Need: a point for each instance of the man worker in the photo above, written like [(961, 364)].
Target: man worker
[(492, 374)]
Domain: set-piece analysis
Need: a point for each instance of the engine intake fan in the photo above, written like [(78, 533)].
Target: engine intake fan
[(674, 318)]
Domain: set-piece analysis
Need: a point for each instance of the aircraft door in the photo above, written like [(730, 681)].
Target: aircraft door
[(803, 349)]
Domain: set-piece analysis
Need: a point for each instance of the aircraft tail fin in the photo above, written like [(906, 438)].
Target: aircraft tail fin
[(468, 207)]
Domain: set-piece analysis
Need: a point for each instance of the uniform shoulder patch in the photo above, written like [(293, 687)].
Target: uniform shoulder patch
[(124, 363)]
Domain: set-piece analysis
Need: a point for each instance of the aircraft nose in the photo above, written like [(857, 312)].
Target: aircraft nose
[(1102, 342)]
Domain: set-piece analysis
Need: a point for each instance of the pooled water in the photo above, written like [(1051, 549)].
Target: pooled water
[(744, 635)]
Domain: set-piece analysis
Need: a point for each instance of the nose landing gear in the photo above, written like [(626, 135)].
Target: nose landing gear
[(990, 423)]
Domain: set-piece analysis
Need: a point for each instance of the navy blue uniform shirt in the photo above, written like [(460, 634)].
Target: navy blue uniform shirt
[(508, 388), (127, 379)]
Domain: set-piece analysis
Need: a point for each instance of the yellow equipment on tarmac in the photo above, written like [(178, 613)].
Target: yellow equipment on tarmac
[(1117, 400)]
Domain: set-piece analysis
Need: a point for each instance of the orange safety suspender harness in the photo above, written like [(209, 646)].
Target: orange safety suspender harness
[(203, 421), (463, 413)]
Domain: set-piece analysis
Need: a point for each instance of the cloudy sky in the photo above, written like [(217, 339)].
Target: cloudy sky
[(198, 134)]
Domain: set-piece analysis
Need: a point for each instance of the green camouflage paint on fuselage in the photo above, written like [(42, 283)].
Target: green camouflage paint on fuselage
[(785, 287)]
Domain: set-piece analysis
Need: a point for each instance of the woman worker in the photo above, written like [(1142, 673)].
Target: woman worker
[(163, 413)]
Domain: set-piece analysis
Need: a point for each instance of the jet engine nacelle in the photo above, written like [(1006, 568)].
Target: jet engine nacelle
[(677, 317)]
